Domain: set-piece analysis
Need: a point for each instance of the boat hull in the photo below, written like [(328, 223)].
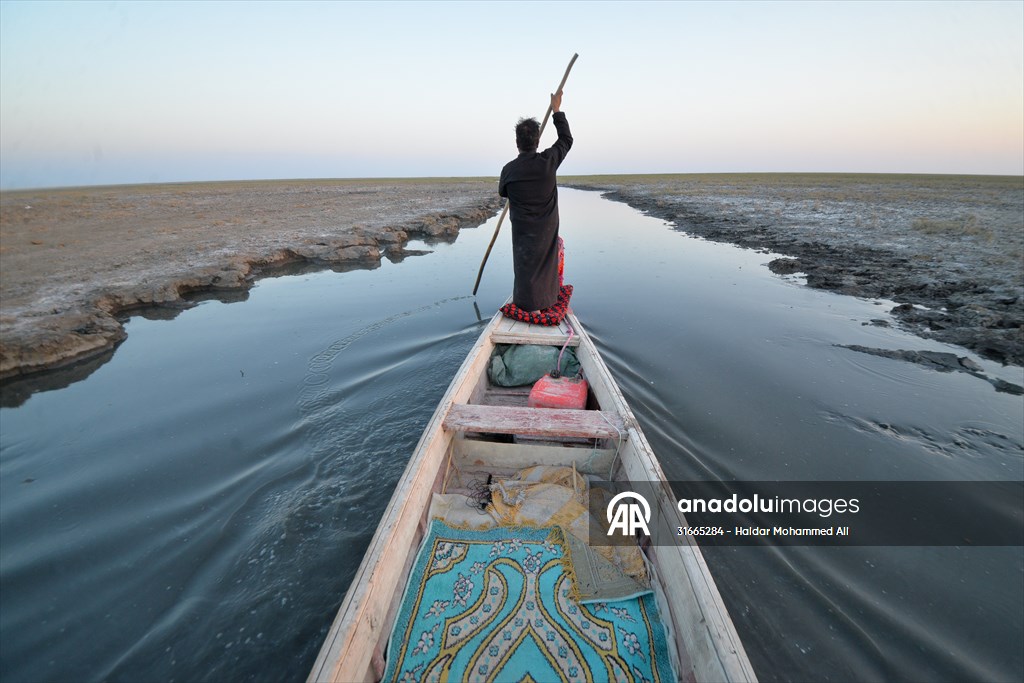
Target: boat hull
[(705, 643)]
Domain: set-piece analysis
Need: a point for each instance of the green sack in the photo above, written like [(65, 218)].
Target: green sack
[(516, 365)]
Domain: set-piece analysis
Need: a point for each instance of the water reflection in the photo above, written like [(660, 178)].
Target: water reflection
[(196, 507)]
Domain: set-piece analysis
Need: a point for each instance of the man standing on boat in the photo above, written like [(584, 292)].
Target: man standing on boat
[(528, 181)]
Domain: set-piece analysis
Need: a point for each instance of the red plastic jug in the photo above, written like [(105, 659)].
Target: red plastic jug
[(559, 392)]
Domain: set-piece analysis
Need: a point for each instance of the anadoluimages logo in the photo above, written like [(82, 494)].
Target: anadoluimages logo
[(628, 517)]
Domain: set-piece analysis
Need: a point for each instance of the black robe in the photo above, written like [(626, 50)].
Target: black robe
[(529, 183)]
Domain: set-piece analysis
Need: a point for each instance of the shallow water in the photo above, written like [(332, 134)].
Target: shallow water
[(196, 508)]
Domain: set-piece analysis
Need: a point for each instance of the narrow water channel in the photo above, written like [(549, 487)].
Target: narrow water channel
[(195, 509)]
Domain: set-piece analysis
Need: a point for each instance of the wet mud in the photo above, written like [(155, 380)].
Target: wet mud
[(948, 250)]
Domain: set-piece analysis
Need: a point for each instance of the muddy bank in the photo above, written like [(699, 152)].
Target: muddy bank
[(948, 249), (75, 262), (942, 362)]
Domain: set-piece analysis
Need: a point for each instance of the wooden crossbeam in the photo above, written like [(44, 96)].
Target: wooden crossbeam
[(549, 422), (509, 331)]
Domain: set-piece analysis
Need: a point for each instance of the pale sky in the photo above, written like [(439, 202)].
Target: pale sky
[(112, 92)]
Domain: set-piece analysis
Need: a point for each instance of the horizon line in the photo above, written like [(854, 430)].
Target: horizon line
[(494, 178)]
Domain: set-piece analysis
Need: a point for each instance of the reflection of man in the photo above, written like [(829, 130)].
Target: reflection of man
[(529, 183)]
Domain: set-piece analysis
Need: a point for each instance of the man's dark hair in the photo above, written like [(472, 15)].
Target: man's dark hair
[(527, 135)]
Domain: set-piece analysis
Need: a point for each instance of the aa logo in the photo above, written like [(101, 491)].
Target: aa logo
[(628, 517)]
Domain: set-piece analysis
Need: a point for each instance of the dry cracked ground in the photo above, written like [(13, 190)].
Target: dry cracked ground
[(75, 262)]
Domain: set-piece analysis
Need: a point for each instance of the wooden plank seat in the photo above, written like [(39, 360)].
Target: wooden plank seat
[(587, 424), (509, 331)]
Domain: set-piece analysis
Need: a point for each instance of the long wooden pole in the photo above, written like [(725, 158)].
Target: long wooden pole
[(504, 211)]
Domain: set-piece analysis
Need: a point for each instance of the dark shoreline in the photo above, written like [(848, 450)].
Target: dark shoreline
[(946, 249)]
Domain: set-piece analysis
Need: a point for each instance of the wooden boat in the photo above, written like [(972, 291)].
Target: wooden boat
[(703, 639)]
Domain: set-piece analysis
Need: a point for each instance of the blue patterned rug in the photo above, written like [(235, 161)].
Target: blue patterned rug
[(499, 605)]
